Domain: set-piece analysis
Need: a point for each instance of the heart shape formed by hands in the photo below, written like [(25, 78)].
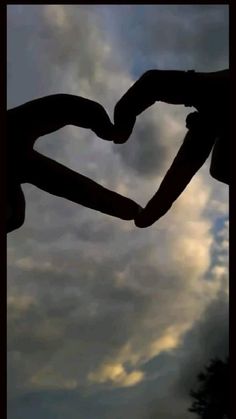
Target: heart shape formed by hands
[(28, 122)]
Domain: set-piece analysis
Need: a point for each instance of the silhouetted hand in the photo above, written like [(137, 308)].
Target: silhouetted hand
[(28, 122), (208, 128)]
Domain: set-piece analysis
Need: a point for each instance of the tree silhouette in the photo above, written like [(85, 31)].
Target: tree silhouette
[(212, 395)]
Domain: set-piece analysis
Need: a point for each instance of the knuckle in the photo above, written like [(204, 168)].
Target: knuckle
[(149, 75)]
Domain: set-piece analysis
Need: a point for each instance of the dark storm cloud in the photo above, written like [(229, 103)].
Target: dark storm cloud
[(176, 372), (208, 339), (144, 153), (57, 405), (180, 36)]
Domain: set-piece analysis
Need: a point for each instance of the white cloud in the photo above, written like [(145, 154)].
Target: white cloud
[(116, 374)]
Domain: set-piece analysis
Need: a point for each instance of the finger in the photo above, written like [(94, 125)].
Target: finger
[(102, 125), (50, 113), (139, 97), (150, 214), (61, 181), (192, 154), (123, 132), (170, 86)]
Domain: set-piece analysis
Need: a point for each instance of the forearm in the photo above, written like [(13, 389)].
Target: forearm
[(61, 181)]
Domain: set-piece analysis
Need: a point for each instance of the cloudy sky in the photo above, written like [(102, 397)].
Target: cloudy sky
[(106, 320)]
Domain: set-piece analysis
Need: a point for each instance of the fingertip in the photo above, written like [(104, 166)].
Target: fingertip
[(140, 222), (120, 136), (119, 140)]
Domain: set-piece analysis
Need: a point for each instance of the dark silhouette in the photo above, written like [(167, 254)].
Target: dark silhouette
[(211, 399), (208, 128), (28, 122)]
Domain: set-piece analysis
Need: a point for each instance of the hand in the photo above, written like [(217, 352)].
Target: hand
[(208, 93), (168, 86), (40, 117)]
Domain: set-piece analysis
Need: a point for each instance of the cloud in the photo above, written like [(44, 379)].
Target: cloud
[(130, 309), (171, 375), (115, 373), (153, 138), (197, 39), (47, 378), (207, 341)]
